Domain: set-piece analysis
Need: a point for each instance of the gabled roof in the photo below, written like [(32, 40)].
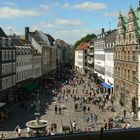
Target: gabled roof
[(83, 46), (51, 39), (110, 38), (61, 43), (2, 33), (17, 42), (35, 36)]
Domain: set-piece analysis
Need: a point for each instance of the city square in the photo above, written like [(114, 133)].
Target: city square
[(19, 116), (69, 69)]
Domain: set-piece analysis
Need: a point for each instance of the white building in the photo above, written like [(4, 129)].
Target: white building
[(81, 57), (99, 57), (109, 58)]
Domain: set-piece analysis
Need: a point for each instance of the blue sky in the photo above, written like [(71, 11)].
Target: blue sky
[(65, 19)]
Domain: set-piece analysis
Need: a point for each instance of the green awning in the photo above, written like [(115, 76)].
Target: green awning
[(31, 86)]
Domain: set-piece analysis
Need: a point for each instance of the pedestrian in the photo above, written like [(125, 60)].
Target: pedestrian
[(124, 113), (2, 137), (19, 132), (60, 110), (16, 129), (105, 125), (28, 131), (55, 109), (74, 126), (88, 109), (76, 106), (84, 109), (112, 101), (66, 98)]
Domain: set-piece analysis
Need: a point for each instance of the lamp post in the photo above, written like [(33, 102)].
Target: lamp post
[(37, 105)]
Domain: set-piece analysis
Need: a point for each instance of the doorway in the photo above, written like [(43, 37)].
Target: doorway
[(134, 104)]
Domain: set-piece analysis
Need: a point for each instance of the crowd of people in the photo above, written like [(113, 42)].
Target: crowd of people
[(84, 100)]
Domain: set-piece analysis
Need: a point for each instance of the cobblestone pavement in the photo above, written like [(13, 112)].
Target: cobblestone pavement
[(21, 116)]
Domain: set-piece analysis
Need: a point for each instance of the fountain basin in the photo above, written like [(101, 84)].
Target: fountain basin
[(42, 124)]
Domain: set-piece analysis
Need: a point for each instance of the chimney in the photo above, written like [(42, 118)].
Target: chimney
[(26, 33), (103, 30)]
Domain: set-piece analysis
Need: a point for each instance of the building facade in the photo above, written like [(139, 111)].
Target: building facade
[(109, 59), (99, 57), (24, 58), (81, 58), (39, 42), (90, 58), (8, 68), (126, 60)]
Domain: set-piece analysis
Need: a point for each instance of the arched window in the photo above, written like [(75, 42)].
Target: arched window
[(130, 37)]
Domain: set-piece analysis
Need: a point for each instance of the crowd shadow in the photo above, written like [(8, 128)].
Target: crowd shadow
[(20, 116)]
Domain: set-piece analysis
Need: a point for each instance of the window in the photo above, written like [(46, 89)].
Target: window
[(133, 76), (128, 74), (3, 55), (6, 54), (130, 37), (133, 55), (10, 55), (128, 55), (14, 67)]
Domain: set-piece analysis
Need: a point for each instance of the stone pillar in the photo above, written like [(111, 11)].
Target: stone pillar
[(138, 114), (138, 94)]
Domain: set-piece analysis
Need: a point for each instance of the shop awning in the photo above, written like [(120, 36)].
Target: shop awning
[(105, 85), (2, 104), (31, 86)]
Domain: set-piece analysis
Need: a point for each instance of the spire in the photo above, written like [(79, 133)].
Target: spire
[(131, 9), (138, 9), (120, 14)]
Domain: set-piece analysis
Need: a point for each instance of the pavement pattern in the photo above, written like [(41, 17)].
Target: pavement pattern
[(21, 116)]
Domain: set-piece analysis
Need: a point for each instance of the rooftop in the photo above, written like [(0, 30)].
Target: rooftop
[(82, 46), (2, 34)]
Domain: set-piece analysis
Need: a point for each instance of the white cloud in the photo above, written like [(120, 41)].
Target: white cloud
[(45, 7), (71, 36), (55, 4), (57, 24), (10, 3), (66, 5), (43, 25), (48, 5), (115, 13), (10, 30), (86, 6), (111, 14), (66, 29), (7, 12), (67, 22)]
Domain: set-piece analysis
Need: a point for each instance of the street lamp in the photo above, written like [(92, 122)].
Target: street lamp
[(37, 105)]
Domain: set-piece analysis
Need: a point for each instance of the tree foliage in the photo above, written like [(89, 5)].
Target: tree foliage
[(87, 38)]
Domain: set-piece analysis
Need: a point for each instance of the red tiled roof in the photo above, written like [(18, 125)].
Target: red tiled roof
[(82, 46)]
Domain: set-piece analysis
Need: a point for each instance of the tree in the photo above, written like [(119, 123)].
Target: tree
[(87, 38)]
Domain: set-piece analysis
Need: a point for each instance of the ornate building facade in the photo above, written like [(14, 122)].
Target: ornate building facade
[(126, 60)]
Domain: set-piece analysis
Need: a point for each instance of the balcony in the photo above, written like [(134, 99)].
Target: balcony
[(90, 61)]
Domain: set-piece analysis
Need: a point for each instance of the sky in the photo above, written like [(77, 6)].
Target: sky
[(68, 20)]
